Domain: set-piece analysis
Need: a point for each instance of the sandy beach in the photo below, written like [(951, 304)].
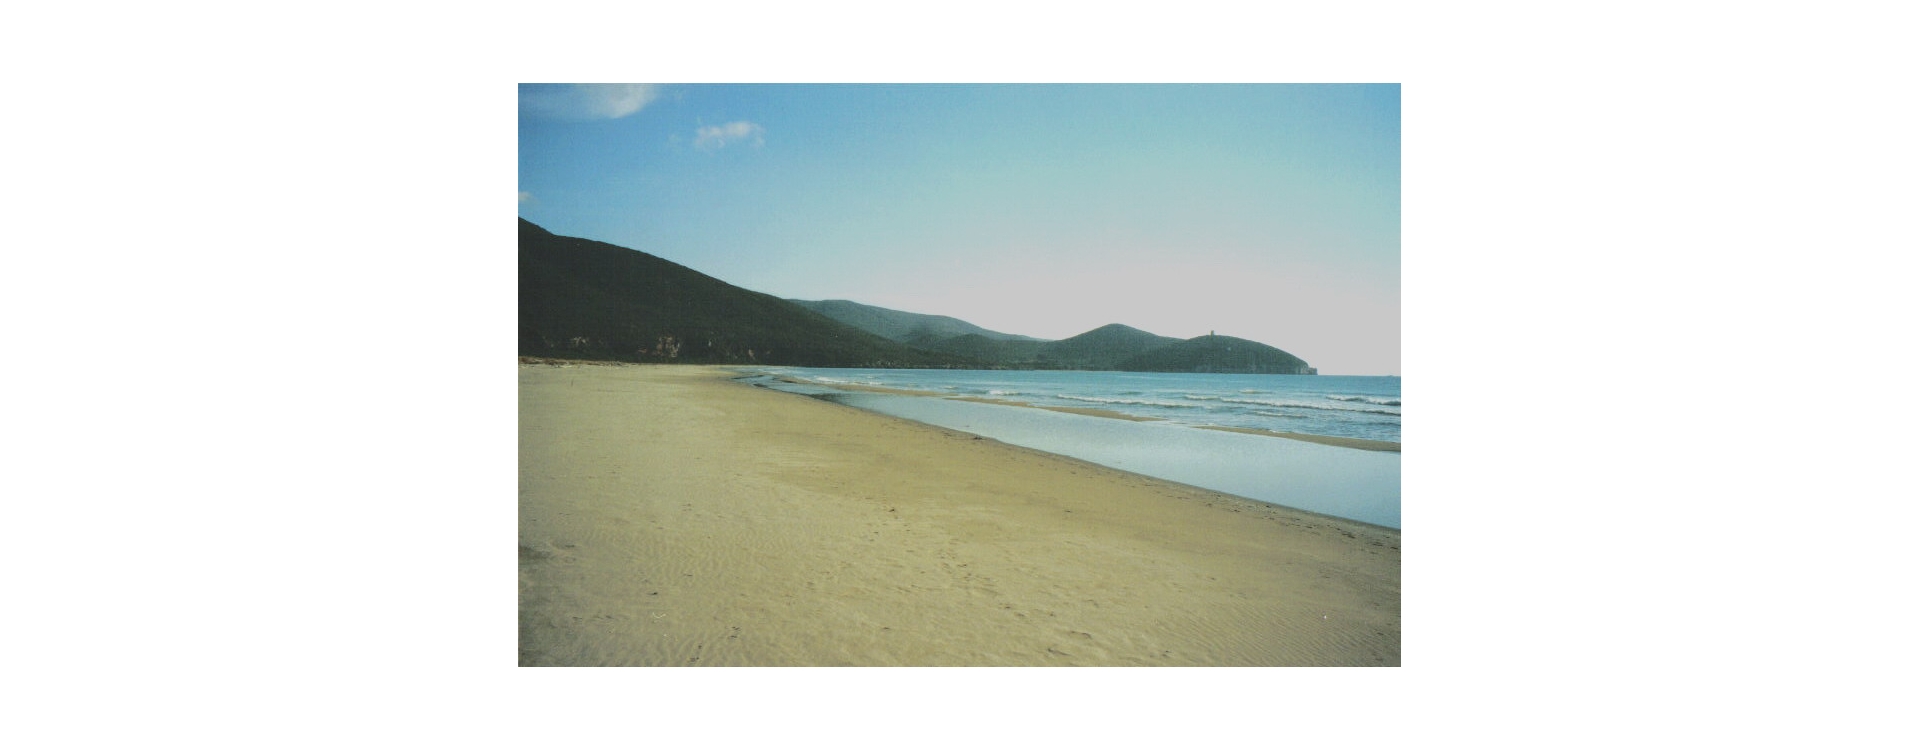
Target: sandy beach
[(672, 517)]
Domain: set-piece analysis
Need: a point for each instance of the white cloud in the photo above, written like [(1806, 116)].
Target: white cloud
[(525, 196), (715, 137), (585, 101)]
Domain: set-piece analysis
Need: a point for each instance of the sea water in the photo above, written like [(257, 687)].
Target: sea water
[(1335, 405), (1362, 485)]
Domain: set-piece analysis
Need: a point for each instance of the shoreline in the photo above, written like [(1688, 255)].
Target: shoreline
[(1364, 444), (672, 516)]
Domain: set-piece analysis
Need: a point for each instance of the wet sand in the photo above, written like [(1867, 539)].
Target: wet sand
[(672, 517), (1344, 442)]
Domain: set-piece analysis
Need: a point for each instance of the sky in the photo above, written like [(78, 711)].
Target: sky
[(1267, 212)]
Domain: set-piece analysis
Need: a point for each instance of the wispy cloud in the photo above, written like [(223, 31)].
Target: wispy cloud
[(585, 101), (716, 137), (525, 196)]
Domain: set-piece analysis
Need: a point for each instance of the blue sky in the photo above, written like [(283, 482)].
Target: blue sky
[(1269, 212)]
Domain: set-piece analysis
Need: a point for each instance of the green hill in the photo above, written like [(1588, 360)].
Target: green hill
[(1102, 348), (591, 300), (1000, 352), (1217, 354), (583, 299), (904, 327)]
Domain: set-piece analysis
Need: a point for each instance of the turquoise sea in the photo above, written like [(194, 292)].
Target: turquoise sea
[(1361, 485), (1336, 405)]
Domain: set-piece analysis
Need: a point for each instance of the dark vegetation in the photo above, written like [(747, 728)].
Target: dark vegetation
[(587, 300), (1102, 348), (1118, 347), (900, 326), (582, 299), (1216, 354), (1012, 354)]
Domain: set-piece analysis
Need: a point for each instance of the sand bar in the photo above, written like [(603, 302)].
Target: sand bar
[(671, 517)]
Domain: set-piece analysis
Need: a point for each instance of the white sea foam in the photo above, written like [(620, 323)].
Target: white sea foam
[(1368, 408), (1126, 401), (1366, 399), (1301, 405), (838, 381)]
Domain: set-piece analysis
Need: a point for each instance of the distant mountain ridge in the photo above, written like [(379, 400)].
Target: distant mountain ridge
[(1213, 353), (1102, 348), (904, 327), (583, 299), (592, 300), (1109, 347)]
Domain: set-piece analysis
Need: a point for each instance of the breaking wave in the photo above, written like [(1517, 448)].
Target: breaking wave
[(1330, 406), (840, 381), (1366, 399), (1299, 405), (1127, 401)]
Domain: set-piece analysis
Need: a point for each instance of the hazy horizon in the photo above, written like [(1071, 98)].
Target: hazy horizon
[(1266, 212)]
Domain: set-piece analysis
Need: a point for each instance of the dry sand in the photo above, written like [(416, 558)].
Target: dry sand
[(671, 517)]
